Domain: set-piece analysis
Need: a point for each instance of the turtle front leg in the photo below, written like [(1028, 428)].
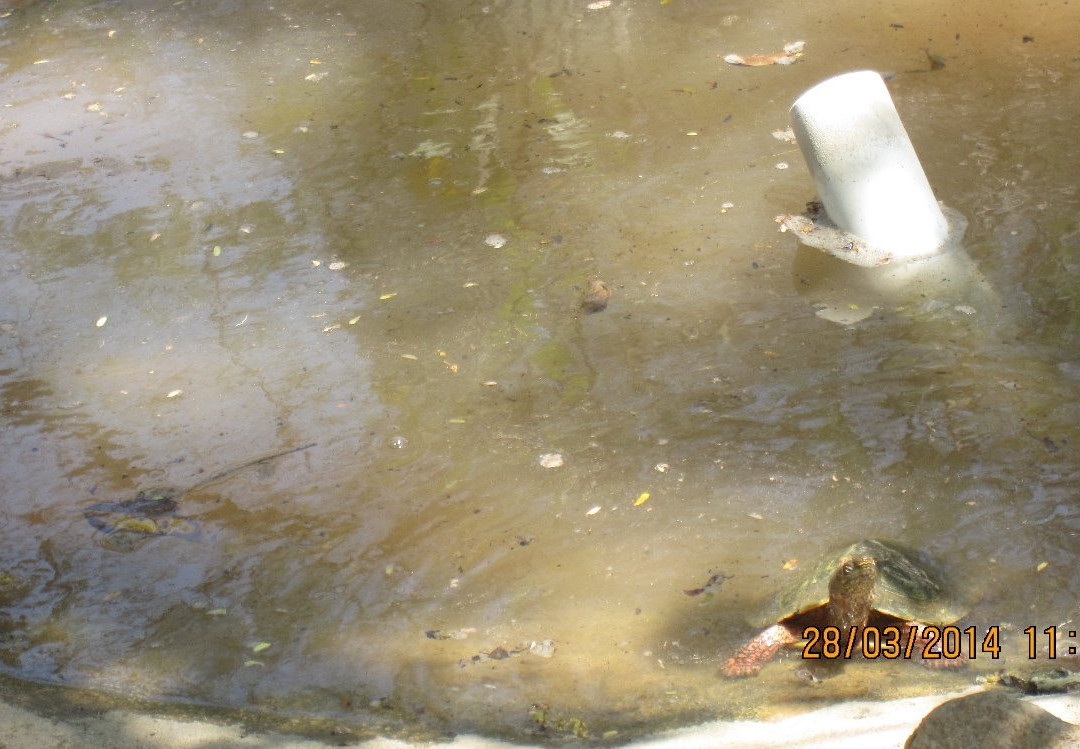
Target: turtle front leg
[(921, 649), (749, 658)]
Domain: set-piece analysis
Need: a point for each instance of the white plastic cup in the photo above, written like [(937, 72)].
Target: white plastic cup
[(868, 178)]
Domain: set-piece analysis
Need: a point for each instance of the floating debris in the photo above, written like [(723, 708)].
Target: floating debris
[(551, 460), (787, 135), (711, 585), (128, 525), (542, 649), (791, 54), (596, 295), (599, 5), (495, 240), (843, 314), (430, 149), (452, 634)]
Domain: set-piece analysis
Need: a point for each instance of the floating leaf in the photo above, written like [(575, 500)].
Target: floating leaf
[(249, 664), (174, 393), (101, 321), (790, 564), (354, 320), (217, 250), (593, 510), (259, 647), (216, 612), (391, 295), (1042, 566), (642, 499)]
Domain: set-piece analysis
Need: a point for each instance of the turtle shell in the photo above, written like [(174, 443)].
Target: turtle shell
[(910, 586)]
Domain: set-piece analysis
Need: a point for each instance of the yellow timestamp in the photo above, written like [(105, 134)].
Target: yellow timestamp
[(1050, 635), (928, 642)]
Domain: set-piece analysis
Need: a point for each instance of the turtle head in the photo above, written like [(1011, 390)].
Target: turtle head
[(851, 590)]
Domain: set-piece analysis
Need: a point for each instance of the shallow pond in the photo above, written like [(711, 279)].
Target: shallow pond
[(230, 229)]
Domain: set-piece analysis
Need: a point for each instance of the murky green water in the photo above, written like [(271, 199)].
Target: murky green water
[(230, 229)]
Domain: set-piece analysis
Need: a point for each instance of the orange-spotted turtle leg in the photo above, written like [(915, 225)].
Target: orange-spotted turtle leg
[(749, 658)]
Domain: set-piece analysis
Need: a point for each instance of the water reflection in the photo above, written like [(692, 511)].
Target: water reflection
[(230, 230)]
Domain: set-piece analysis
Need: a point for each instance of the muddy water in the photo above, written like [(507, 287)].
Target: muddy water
[(232, 229)]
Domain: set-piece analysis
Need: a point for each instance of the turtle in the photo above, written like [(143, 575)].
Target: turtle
[(129, 524), (871, 582)]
